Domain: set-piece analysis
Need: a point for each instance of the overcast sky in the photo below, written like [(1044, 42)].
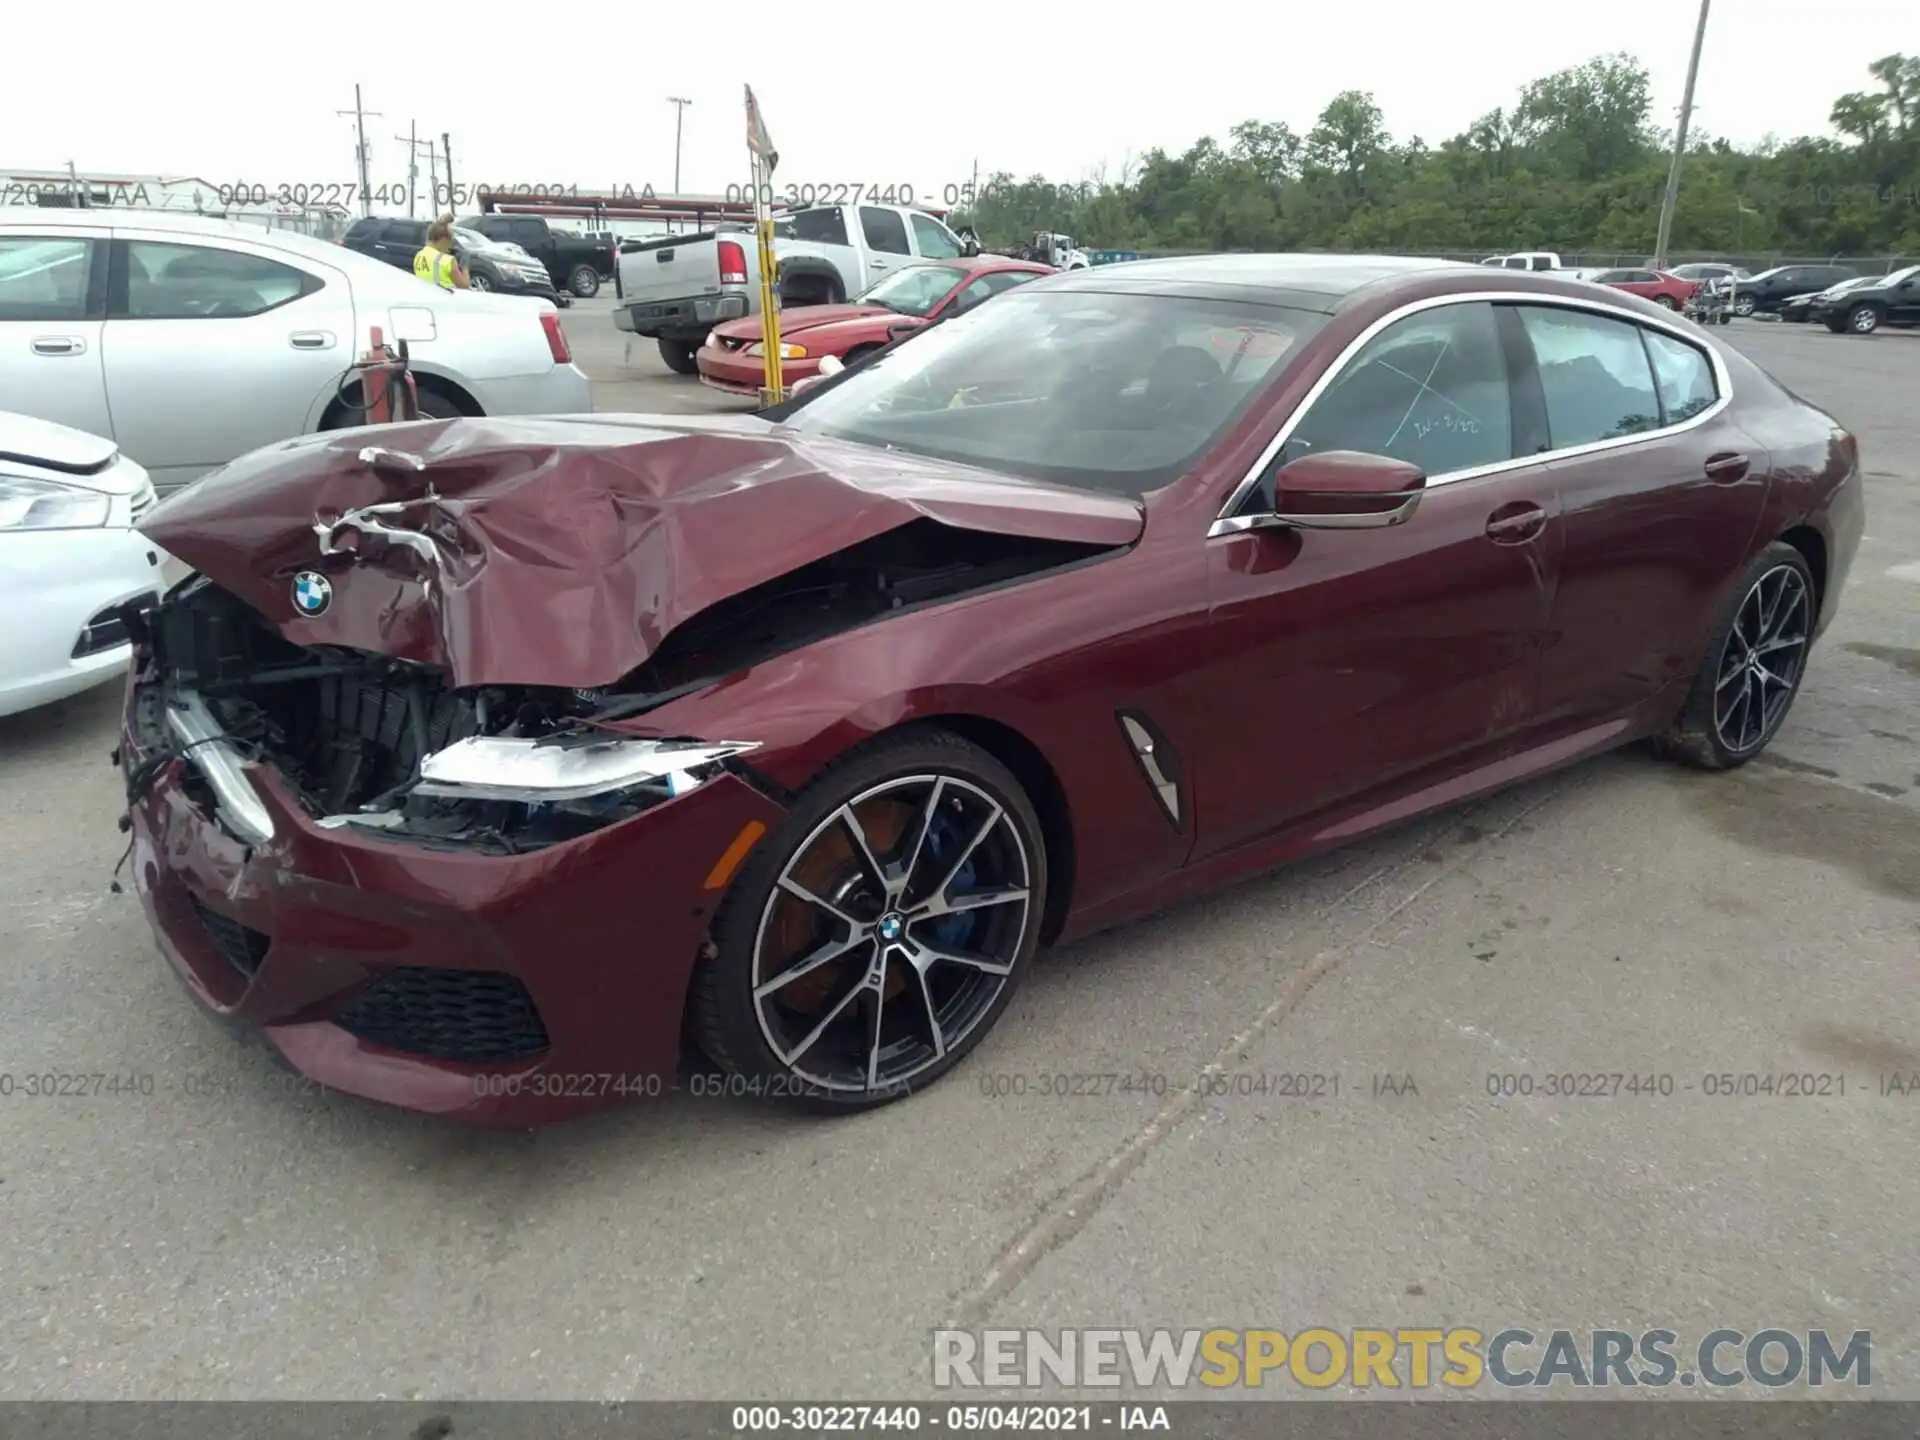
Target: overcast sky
[(901, 94)]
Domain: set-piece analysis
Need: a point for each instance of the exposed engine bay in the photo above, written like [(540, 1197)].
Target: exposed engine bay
[(390, 747)]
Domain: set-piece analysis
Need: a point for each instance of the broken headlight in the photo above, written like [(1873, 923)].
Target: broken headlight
[(555, 771)]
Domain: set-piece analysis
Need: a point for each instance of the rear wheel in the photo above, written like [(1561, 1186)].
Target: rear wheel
[(1753, 666), (584, 281), (679, 357), (881, 933), (1863, 319), (1667, 301)]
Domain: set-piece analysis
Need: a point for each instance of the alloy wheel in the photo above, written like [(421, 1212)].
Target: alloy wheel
[(1864, 320), (1761, 664), (1743, 305), (891, 932), (479, 282)]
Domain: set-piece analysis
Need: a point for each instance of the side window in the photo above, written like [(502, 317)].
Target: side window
[(406, 234), (363, 232), (1642, 277), (1683, 375), (824, 226), (1594, 376), (979, 290), (192, 282), (1007, 279), (528, 234), (932, 238), (43, 277), (885, 230), (1431, 390)]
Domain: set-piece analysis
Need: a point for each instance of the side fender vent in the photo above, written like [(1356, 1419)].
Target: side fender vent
[(1158, 763)]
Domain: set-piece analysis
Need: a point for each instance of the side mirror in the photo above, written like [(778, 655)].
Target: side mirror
[(1346, 490)]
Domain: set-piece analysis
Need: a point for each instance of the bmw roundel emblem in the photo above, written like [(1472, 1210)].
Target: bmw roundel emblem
[(312, 593)]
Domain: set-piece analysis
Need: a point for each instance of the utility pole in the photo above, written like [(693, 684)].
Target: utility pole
[(360, 122), (413, 162), (446, 154), (412, 137), (1672, 197), (679, 118)]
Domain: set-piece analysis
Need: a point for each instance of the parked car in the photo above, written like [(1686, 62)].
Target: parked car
[(574, 262), (798, 732), (1663, 288), (921, 294), (1526, 260), (490, 265), (675, 289), (1798, 309), (1705, 271), (69, 559), (1765, 293), (189, 341), (1891, 300)]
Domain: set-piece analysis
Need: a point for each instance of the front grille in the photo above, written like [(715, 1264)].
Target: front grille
[(472, 1016), (107, 629), (239, 946)]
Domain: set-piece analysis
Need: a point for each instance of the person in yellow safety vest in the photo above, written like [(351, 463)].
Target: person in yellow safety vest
[(436, 263)]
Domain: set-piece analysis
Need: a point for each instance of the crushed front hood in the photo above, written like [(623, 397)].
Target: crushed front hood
[(563, 551)]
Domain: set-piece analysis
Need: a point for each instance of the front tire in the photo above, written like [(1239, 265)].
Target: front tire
[(1753, 667), (879, 935), (477, 281), (679, 357), (1863, 319), (584, 281), (1743, 305)]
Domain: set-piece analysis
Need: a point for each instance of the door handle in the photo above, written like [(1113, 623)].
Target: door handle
[(1515, 524), (1727, 468), (311, 340), (59, 345)]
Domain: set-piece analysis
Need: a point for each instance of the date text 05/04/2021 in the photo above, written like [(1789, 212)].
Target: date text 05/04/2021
[(952, 195), (1004, 1419), (443, 194)]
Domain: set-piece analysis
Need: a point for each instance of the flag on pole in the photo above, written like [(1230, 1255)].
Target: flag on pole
[(758, 141)]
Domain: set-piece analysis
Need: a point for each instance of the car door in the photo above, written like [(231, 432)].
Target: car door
[(400, 242), (887, 245), (1903, 298), (53, 290), (1352, 659), (217, 346), (932, 240), (1660, 494)]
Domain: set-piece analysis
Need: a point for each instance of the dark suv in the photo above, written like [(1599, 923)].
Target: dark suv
[(1764, 293), (489, 266), (1891, 300)]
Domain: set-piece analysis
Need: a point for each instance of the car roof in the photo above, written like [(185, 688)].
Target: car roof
[(1323, 283), (362, 268)]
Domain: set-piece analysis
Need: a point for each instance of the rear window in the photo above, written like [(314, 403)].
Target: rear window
[(826, 225), (1106, 392)]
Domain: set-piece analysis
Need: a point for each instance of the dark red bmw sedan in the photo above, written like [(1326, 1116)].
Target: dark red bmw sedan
[(485, 764)]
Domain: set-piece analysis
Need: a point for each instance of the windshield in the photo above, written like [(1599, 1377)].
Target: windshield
[(1897, 276), (1105, 392), (914, 290), (473, 238)]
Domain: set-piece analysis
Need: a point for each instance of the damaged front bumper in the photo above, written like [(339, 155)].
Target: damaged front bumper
[(428, 953)]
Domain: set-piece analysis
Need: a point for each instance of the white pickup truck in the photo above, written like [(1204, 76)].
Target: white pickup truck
[(675, 289)]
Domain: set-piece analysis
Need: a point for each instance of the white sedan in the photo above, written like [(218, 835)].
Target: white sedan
[(69, 558), (192, 341)]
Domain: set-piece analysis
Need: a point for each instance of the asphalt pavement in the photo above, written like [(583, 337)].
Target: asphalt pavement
[(215, 1230)]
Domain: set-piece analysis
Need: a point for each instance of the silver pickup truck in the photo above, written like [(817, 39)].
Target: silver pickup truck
[(674, 290)]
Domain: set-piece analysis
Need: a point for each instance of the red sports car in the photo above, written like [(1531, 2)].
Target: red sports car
[(1670, 292), (486, 760), (734, 360)]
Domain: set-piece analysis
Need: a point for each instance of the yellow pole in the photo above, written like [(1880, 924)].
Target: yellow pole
[(773, 389)]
